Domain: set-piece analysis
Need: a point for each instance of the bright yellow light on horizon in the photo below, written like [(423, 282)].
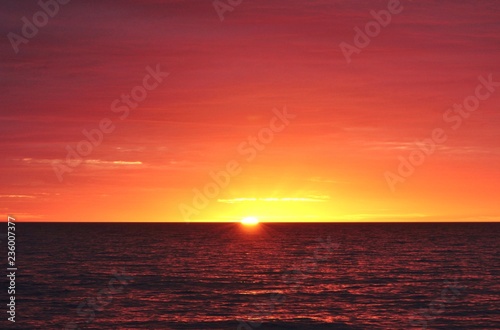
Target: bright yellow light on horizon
[(250, 221)]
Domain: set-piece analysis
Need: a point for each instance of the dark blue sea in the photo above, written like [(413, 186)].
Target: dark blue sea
[(272, 276)]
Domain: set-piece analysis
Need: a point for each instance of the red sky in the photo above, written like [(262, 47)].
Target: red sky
[(352, 120)]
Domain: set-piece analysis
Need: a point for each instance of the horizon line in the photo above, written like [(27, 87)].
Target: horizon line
[(262, 222)]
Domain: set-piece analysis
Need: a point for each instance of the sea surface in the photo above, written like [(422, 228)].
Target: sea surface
[(273, 276)]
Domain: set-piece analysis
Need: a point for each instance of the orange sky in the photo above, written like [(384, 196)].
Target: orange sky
[(230, 81)]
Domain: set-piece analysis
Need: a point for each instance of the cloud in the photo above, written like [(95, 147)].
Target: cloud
[(311, 199)]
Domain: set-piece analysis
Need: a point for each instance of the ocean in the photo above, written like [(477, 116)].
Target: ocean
[(273, 276)]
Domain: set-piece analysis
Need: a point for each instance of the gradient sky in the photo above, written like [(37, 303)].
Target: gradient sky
[(352, 120)]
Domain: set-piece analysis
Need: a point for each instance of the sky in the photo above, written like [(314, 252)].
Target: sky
[(280, 110)]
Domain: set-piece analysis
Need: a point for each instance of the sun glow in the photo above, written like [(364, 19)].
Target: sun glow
[(250, 221)]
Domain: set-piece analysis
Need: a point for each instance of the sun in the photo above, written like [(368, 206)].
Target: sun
[(250, 221)]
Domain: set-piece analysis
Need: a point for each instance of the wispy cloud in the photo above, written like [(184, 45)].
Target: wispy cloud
[(314, 199), (17, 196)]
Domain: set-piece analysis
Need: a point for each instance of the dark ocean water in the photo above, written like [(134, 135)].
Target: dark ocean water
[(276, 276)]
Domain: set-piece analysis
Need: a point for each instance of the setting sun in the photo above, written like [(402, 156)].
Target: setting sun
[(250, 221)]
